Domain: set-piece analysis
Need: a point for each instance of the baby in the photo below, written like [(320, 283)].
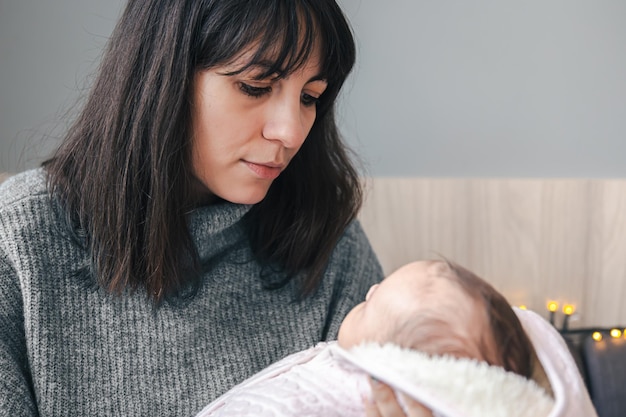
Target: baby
[(432, 330), (442, 309)]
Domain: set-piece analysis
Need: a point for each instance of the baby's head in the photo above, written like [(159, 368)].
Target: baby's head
[(441, 308)]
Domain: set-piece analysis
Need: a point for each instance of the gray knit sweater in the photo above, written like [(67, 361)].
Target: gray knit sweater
[(67, 348)]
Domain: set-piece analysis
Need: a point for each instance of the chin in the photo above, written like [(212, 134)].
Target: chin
[(251, 197)]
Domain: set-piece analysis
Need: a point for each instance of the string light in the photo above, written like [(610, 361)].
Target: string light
[(569, 309), (553, 306)]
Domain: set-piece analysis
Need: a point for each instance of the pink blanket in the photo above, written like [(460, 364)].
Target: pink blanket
[(329, 381)]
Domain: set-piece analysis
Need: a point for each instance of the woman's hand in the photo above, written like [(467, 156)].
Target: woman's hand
[(385, 404)]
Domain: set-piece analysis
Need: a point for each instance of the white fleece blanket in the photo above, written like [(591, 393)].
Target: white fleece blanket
[(329, 381)]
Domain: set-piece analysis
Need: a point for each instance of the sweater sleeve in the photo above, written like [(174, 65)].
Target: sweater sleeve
[(16, 393), (356, 269)]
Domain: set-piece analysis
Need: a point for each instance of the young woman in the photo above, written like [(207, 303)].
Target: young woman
[(196, 224)]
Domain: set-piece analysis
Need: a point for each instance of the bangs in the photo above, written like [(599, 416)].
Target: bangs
[(282, 41), (280, 35)]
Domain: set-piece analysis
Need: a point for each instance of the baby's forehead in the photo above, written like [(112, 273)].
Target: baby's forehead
[(440, 293), (426, 270), (433, 289), (433, 276), (445, 297)]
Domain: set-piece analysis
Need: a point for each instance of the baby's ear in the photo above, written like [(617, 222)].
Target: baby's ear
[(539, 375)]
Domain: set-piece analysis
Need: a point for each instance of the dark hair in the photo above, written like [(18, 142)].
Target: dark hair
[(123, 173), (512, 348)]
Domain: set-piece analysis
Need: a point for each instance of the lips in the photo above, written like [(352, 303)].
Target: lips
[(267, 171)]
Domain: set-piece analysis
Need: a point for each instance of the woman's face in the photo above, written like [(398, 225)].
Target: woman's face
[(246, 131)]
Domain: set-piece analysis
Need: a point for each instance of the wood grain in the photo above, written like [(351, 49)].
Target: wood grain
[(535, 240)]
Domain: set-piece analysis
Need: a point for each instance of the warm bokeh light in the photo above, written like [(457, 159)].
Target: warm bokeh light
[(597, 336), (523, 307), (553, 306), (568, 309), (615, 333)]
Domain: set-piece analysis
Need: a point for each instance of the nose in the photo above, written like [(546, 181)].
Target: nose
[(287, 122)]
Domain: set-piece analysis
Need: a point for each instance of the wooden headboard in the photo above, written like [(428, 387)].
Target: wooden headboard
[(535, 240)]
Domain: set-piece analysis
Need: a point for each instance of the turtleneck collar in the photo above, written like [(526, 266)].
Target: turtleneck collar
[(216, 226)]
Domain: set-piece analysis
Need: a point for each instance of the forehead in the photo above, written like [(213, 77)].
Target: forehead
[(428, 285), (419, 274), (440, 307)]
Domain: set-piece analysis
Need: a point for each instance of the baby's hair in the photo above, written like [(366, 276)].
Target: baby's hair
[(511, 346), (502, 341)]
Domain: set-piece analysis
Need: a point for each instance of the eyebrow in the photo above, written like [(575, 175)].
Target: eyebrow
[(318, 77)]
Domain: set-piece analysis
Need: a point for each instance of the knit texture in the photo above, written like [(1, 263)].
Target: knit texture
[(69, 348), (328, 381), (312, 383)]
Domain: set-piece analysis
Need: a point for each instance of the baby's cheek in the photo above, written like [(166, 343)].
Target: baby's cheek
[(371, 291), (342, 337), (351, 327)]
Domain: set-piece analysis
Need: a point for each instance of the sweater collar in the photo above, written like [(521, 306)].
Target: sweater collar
[(215, 227)]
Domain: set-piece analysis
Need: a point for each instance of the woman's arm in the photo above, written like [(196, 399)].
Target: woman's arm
[(16, 392)]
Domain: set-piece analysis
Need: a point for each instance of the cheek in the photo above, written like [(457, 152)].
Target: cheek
[(212, 143), (371, 291), (201, 153), (199, 132), (307, 120), (350, 327)]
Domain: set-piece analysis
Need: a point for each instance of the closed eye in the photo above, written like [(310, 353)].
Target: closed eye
[(308, 100), (254, 91)]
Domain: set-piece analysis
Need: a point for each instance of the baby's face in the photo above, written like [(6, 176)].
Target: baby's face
[(414, 289)]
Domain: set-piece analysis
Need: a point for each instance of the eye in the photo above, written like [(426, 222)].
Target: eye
[(308, 100), (253, 91)]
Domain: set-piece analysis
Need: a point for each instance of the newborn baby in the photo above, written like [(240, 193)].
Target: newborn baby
[(434, 331)]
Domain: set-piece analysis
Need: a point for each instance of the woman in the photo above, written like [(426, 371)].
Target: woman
[(196, 224)]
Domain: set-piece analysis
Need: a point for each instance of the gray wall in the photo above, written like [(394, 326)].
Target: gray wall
[(489, 88), (441, 88), (48, 50)]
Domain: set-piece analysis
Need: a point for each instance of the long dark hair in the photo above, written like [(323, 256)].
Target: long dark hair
[(123, 173)]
